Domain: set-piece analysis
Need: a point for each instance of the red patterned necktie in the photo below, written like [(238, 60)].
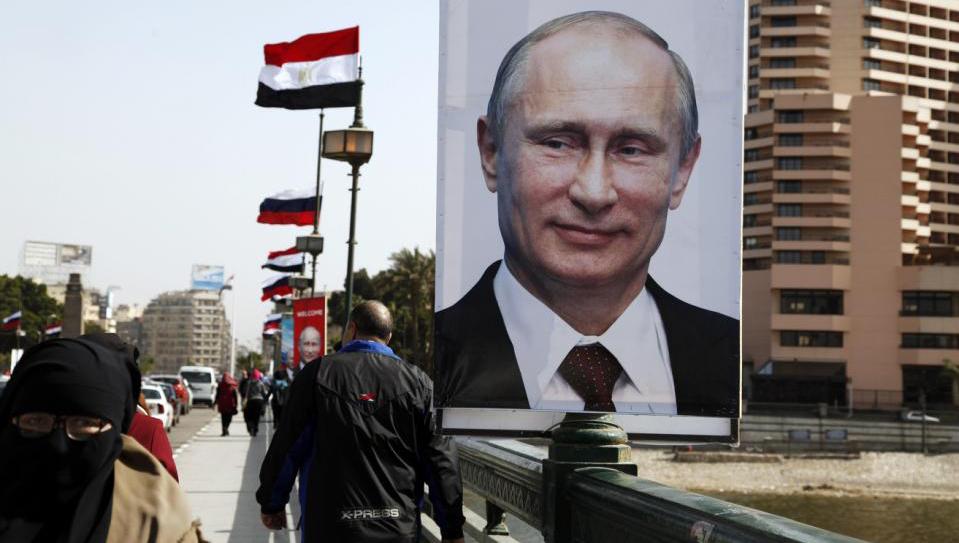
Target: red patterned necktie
[(592, 371)]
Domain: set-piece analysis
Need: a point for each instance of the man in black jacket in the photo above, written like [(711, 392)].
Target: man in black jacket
[(363, 417)]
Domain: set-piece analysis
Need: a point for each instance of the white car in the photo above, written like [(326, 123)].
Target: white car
[(202, 381), (159, 405)]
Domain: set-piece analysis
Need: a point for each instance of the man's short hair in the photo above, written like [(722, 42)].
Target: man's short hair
[(508, 75), (372, 318)]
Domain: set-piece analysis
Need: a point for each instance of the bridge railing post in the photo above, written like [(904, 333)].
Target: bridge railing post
[(581, 440)]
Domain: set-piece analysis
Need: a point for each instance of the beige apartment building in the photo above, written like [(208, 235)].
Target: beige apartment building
[(186, 327), (851, 202)]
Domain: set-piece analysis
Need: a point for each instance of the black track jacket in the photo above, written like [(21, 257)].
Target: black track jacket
[(373, 446)]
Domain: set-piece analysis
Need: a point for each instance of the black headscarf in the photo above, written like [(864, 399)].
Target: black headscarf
[(54, 488)]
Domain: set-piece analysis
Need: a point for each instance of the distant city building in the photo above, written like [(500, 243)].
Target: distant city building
[(851, 202), (96, 306), (129, 324), (186, 328)]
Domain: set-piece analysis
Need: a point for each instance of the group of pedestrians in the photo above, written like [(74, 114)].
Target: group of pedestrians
[(252, 393), (356, 426)]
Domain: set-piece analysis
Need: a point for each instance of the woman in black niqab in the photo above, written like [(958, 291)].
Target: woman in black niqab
[(54, 488)]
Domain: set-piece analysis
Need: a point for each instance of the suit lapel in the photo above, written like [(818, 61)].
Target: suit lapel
[(682, 341)]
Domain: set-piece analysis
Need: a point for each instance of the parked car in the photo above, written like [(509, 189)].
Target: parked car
[(159, 405), (174, 400), (181, 390), (202, 381), (916, 416)]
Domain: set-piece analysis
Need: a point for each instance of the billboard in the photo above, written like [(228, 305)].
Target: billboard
[(205, 277), (53, 262), (286, 338), (588, 215), (309, 330)]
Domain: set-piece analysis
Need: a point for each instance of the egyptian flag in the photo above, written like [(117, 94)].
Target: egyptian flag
[(289, 260), (272, 323), (12, 322), (53, 330), (278, 285), (289, 207), (311, 72)]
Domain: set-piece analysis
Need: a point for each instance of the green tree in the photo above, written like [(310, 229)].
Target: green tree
[(250, 359), (406, 288), (39, 310), (146, 365), (92, 327)]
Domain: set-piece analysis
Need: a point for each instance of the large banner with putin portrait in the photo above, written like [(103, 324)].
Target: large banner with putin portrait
[(588, 215), (309, 330)]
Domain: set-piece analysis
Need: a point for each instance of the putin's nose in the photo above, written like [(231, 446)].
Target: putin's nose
[(592, 189)]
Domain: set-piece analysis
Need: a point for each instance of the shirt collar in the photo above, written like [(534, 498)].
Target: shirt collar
[(366, 346), (541, 339)]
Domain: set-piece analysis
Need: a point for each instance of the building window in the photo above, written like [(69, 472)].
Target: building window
[(754, 71), (789, 257), (789, 234), (873, 3), (750, 220), (795, 116), (751, 177), (751, 133), (927, 303), (751, 155), (811, 302), (754, 11), (781, 83), (870, 43), (794, 338), (789, 163), (750, 198), (871, 64), (783, 2), (789, 210), (753, 51), (753, 31), (789, 187), (750, 243), (782, 63), (790, 140), (780, 22), (753, 91), (930, 341), (871, 85), (872, 22), (817, 257), (752, 109), (789, 41)]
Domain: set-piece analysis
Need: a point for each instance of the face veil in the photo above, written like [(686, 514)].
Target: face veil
[(57, 488)]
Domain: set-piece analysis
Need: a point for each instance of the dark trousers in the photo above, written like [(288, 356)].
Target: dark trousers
[(225, 419), (277, 411), (254, 408)]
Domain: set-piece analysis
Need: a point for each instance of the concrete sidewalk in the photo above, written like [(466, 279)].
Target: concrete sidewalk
[(220, 476)]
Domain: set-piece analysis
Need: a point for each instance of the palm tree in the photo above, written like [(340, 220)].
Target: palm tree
[(407, 289)]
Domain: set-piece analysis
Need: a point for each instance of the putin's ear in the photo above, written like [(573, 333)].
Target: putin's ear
[(486, 142), (681, 179)]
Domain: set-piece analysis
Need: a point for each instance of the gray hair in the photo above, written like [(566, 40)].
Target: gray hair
[(507, 76)]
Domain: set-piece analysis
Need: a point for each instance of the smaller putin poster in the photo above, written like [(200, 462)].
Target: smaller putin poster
[(309, 330)]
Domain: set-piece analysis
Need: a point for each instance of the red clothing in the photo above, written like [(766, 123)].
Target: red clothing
[(149, 432), (226, 395)]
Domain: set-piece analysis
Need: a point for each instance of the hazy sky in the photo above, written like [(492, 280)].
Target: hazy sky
[(130, 126)]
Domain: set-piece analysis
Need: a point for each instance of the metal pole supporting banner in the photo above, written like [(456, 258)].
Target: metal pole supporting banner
[(319, 201)]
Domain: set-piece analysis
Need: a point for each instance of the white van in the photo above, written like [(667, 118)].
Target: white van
[(202, 381)]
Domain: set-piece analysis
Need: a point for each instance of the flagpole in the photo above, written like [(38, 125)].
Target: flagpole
[(319, 201)]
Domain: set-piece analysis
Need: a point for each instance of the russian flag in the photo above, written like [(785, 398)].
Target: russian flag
[(272, 323), (278, 285), (289, 207), (289, 260), (53, 330), (12, 322), (312, 71)]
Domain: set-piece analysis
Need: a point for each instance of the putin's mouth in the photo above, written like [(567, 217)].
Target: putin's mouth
[(584, 235)]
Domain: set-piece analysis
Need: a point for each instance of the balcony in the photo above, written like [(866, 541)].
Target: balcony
[(813, 221), (837, 195), (800, 276), (820, 29), (781, 321)]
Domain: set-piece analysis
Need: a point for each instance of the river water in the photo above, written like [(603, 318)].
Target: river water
[(881, 520)]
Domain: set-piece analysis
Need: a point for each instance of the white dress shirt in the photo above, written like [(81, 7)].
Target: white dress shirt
[(541, 340)]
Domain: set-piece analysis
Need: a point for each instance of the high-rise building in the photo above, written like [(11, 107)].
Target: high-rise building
[(186, 328), (851, 202)]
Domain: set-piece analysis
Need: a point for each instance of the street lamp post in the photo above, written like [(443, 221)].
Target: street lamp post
[(355, 146)]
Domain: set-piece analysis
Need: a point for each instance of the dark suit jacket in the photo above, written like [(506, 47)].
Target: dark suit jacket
[(476, 365)]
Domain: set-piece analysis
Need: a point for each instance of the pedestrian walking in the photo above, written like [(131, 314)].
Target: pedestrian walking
[(226, 401), (255, 402), (70, 475), (279, 393), (360, 428)]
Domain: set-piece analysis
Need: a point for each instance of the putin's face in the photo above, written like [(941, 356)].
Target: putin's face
[(309, 344), (588, 163)]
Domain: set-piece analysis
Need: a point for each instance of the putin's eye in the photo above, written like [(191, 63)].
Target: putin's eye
[(555, 144)]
